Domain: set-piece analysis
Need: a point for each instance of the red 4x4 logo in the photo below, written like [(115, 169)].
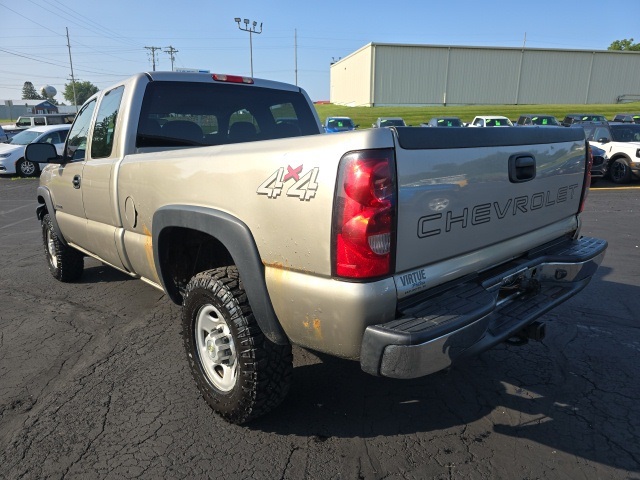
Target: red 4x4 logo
[(304, 187)]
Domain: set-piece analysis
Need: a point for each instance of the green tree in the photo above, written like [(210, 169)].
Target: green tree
[(29, 92), (83, 91), (625, 44)]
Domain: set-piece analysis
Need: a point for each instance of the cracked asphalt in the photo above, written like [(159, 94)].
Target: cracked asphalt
[(94, 384)]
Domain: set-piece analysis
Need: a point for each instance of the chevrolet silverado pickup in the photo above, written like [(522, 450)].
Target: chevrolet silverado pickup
[(406, 249)]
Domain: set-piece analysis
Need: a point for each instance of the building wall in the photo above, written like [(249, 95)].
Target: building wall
[(409, 75), (351, 79), (384, 74)]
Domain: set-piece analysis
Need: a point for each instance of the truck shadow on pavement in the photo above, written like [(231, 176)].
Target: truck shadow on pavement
[(570, 393)]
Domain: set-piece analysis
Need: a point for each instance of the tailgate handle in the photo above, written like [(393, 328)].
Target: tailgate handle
[(522, 167)]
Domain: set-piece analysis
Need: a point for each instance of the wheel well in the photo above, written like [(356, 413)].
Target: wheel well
[(183, 252), (619, 156)]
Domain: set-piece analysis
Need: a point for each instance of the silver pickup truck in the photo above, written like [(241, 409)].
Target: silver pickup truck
[(406, 249)]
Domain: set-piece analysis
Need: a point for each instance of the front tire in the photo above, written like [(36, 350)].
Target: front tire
[(239, 371), (620, 171), (65, 263), (25, 168)]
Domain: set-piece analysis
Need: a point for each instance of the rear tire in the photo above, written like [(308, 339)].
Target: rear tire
[(25, 168), (620, 171), (65, 263), (239, 371)]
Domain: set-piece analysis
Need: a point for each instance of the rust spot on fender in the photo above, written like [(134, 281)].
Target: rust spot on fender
[(317, 327), (148, 246)]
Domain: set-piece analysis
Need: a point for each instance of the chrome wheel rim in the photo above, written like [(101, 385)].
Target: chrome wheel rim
[(27, 168), (51, 249), (216, 348)]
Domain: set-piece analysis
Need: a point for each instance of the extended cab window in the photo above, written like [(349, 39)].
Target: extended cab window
[(77, 143), (102, 140), (191, 114)]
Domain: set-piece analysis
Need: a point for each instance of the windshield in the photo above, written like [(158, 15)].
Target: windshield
[(448, 122), (498, 122), (544, 121), (625, 133), (24, 138), (593, 118), (392, 122), (340, 123)]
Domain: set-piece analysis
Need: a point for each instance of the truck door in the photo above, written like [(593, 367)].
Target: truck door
[(66, 180), (99, 195)]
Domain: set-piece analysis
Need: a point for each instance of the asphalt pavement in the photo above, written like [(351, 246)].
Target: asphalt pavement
[(94, 384)]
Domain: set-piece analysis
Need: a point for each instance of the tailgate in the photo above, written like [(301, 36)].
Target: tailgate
[(478, 197)]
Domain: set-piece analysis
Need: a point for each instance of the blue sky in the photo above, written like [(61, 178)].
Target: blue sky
[(108, 39)]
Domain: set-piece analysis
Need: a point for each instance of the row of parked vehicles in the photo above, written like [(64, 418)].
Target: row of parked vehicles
[(615, 144)]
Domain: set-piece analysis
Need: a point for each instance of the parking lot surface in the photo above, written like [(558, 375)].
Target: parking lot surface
[(94, 384)]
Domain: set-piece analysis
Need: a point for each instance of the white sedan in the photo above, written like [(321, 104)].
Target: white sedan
[(12, 154)]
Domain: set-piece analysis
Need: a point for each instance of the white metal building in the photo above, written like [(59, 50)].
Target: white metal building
[(381, 74)]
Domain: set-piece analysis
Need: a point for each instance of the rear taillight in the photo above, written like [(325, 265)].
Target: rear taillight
[(587, 178), (364, 215)]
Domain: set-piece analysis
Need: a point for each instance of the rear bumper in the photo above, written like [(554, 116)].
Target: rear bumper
[(437, 328)]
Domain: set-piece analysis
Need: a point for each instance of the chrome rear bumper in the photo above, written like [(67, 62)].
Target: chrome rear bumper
[(436, 328)]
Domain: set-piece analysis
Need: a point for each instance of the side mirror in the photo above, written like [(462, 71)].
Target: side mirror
[(603, 140), (42, 153)]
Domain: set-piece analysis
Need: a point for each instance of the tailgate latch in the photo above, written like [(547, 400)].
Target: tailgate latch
[(522, 167)]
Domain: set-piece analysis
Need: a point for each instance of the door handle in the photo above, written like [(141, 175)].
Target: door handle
[(76, 181), (522, 167)]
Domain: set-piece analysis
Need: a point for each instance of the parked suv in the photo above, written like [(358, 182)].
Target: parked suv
[(572, 118), (28, 121), (621, 142), (535, 119), (339, 124), (627, 118)]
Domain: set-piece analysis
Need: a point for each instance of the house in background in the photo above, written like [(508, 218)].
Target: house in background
[(12, 109)]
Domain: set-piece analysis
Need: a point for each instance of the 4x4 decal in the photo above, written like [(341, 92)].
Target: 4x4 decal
[(304, 186)]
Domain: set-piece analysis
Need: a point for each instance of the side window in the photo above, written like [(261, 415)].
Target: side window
[(602, 133), (39, 121), (54, 120), (286, 120), (102, 140), (52, 138), (77, 143)]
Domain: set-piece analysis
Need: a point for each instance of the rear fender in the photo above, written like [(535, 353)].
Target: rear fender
[(237, 239)]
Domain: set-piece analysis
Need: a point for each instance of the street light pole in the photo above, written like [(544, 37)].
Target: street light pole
[(250, 27)]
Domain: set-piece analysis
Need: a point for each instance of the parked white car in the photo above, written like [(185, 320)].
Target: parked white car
[(491, 121), (12, 154)]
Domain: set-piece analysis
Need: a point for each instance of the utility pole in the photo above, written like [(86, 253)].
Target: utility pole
[(251, 29), (171, 51), (73, 81), (295, 52), (153, 55)]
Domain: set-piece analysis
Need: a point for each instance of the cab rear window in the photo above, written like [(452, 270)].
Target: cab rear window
[(191, 114)]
